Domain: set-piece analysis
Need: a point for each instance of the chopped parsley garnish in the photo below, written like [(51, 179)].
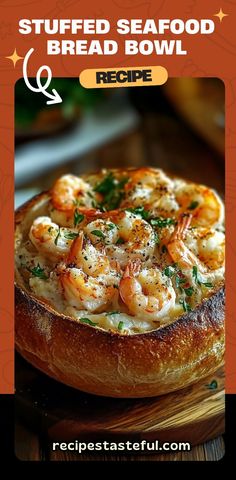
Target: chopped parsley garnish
[(156, 238), (122, 182), (120, 241), (78, 217), (58, 235), (112, 313), (164, 249), (94, 204), (89, 322), (185, 305), (195, 274), (70, 235), (213, 385), (162, 222), (120, 326), (110, 226), (98, 233), (106, 185), (38, 272), (193, 205), (112, 199), (169, 271), (112, 191), (139, 211), (198, 280), (50, 229), (179, 281), (76, 202), (188, 291)]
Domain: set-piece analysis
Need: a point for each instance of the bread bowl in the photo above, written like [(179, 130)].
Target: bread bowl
[(140, 324)]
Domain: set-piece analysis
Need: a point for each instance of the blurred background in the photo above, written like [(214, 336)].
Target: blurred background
[(178, 127)]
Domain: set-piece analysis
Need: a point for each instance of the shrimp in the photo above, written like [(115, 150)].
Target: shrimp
[(83, 254), (208, 245), (123, 235), (150, 188), (104, 226), (138, 236), (146, 177), (202, 202), (83, 292), (87, 278), (67, 190), (71, 193), (201, 247), (176, 247), (51, 240), (145, 293)]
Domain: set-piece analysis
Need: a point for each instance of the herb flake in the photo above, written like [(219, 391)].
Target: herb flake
[(213, 385), (162, 222), (76, 202), (139, 211), (58, 235), (112, 313), (70, 235), (112, 191), (98, 233), (88, 322), (193, 205), (198, 280), (120, 325), (179, 281), (156, 238), (185, 305), (38, 272), (188, 291), (120, 241), (106, 185), (78, 218), (169, 271), (111, 226)]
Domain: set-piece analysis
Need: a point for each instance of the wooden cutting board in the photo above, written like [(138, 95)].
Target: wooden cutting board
[(194, 414)]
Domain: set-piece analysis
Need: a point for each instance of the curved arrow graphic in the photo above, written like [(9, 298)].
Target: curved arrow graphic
[(54, 95)]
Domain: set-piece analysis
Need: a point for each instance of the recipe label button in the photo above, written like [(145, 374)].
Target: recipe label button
[(124, 76)]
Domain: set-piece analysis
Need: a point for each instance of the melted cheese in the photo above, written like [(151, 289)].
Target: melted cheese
[(150, 207)]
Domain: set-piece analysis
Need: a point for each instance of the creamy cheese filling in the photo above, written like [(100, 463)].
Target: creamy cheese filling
[(126, 251)]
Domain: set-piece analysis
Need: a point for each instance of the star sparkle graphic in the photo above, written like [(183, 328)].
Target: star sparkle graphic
[(14, 57), (221, 15)]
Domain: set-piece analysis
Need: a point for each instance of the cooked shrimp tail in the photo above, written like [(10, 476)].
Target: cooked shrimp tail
[(75, 250), (182, 227), (178, 250), (132, 269)]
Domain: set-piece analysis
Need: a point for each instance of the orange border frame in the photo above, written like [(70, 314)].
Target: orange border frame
[(208, 56)]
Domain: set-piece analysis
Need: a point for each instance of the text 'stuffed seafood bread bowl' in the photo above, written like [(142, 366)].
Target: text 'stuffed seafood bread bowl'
[(120, 282)]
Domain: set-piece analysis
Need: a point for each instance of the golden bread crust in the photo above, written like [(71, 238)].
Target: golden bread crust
[(107, 363)]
